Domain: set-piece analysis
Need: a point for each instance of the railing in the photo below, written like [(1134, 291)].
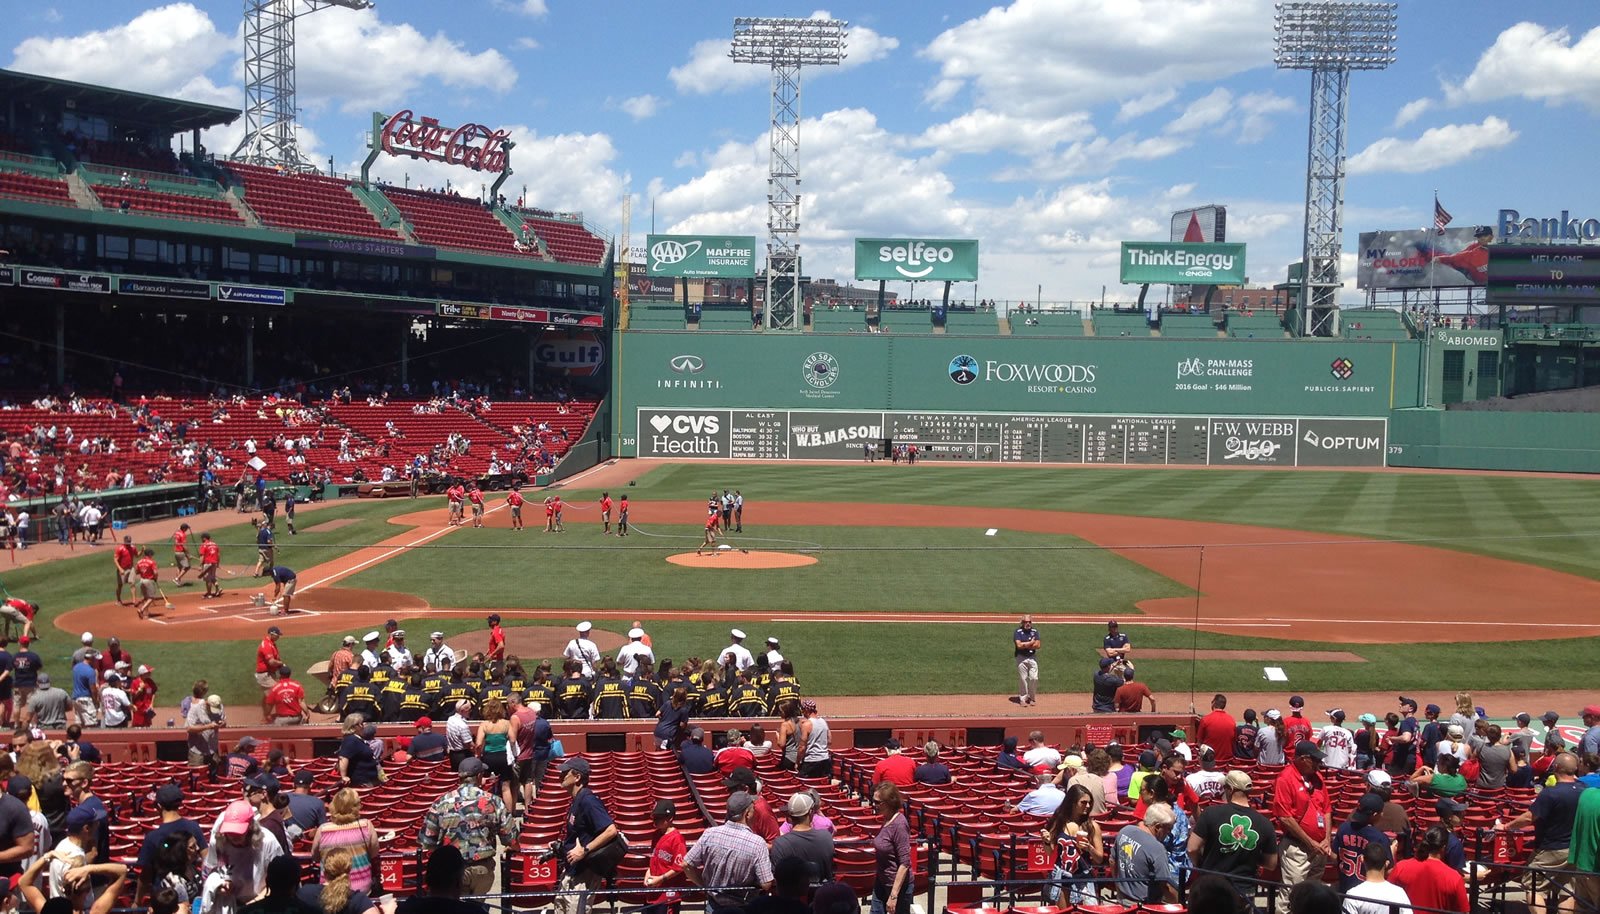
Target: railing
[(1565, 333), (114, 175)]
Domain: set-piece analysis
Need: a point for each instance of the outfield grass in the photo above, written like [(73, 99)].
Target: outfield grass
[(937, 570), (1553, 522)]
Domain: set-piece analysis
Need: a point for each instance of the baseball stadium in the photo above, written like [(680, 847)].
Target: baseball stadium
[(937, 527)]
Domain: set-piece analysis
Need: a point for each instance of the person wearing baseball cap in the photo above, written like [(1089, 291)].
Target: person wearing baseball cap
[(1304, 812), (1296, 726), (1338, 743), (427, 746), (1354, 835), (1233, 839), (803, 841), (471, 819), (666, 858), (742, 658), (1431, 733), (1589, 744), (589, 844), (1367, 742), (1394, 819), (1405, 745), (583, 649)]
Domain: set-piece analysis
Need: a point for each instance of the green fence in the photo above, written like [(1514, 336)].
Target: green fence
[(1473, 440), (1123, 376)]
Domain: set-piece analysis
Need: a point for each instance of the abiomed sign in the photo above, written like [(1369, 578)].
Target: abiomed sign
[(919, 259), (1183, 264), (715, 256)]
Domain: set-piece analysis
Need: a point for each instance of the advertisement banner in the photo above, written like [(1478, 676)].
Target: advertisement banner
[(834, 435), (251, 295), (642, 285), (1421, 259), (369, 246), (684, 433), (67, 282), (164, 288), (1543, 274), (579, 354), (720, 256), (1182, 263), (8, 276), (919, 259)]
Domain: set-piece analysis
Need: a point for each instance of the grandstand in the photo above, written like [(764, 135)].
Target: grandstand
[(1373, 324), (1177, 325), (1047, 323), (1119, 323)]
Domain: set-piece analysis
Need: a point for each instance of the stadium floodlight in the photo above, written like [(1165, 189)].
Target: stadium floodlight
[(1330, 38), (786, 45), (269, 109)]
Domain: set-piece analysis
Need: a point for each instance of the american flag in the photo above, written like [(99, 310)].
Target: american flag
[(1441, 217)]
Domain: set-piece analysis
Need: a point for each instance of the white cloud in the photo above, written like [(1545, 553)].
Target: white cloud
[(1101, 155), (533, 8), (1255, 115), (1436, 148), (686, 159), (982, 130), (162, 51), (394, 61), (1051, 57), (1206, 111), (710, 69), (1145, 104), (1411, 110), (640, 107), (1530, 61), (526, 43)]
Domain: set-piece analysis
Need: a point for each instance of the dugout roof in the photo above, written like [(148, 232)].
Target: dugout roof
[(44, 91)]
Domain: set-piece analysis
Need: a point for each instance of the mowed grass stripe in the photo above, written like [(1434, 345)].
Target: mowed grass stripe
[(970, 572)]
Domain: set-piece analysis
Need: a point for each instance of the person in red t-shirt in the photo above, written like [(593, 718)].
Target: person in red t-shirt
[(1296, 726), (475, 496), (713, 517), (180, 554), (453, 496), (146, 571), (1131, 695), (605, 511), (124, 558), (560, 528), (210, 561), (1217, 729), (268, 660), (734, 755), (666, 862), (19, 612), (142, 692), (1301, 807), (896, 767), (497, 641), (515, 500), (285, 703), (549, 514), (1430, 882)]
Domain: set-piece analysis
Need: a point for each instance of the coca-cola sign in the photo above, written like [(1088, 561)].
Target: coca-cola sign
[(470, 145)]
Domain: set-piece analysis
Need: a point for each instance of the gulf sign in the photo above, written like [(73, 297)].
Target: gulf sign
[(579, 355)]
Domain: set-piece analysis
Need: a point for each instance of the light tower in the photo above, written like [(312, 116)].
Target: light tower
[(1330, 38), (269, 110), (786, 45)]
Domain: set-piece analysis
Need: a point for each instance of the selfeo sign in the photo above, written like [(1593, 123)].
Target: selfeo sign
[(922, 259), (1182, 263)]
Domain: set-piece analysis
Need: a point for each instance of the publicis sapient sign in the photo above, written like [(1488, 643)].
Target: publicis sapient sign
[(917, 259), (714, 256), (1183, 264), (470, 145)]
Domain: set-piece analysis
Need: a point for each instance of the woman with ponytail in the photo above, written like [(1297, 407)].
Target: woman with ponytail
[(335, 895)]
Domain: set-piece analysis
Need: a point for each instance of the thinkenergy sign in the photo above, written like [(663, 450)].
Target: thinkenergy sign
[(1182, 263)]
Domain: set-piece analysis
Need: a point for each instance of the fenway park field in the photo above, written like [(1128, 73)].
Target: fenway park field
[(886, 580)]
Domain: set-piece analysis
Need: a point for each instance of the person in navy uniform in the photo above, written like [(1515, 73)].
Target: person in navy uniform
[(1116, 644), (1026, 641)]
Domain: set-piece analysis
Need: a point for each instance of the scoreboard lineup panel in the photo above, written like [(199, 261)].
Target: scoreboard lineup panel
[(1012, 438)]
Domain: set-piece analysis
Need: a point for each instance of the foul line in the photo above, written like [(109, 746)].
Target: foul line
[(338, 575)]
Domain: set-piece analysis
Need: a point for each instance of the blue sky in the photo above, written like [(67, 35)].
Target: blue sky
[(1050, 130)]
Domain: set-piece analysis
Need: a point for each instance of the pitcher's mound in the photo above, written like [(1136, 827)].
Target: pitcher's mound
[(735, 558)]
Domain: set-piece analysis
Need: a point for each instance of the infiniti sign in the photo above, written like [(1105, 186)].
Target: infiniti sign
[(687, 364)]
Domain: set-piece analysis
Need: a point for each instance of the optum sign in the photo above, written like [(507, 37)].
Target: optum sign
[(918, 259)]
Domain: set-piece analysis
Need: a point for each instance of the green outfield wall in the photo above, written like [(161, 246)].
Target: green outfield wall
[(1551, 442), (830, 396)]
